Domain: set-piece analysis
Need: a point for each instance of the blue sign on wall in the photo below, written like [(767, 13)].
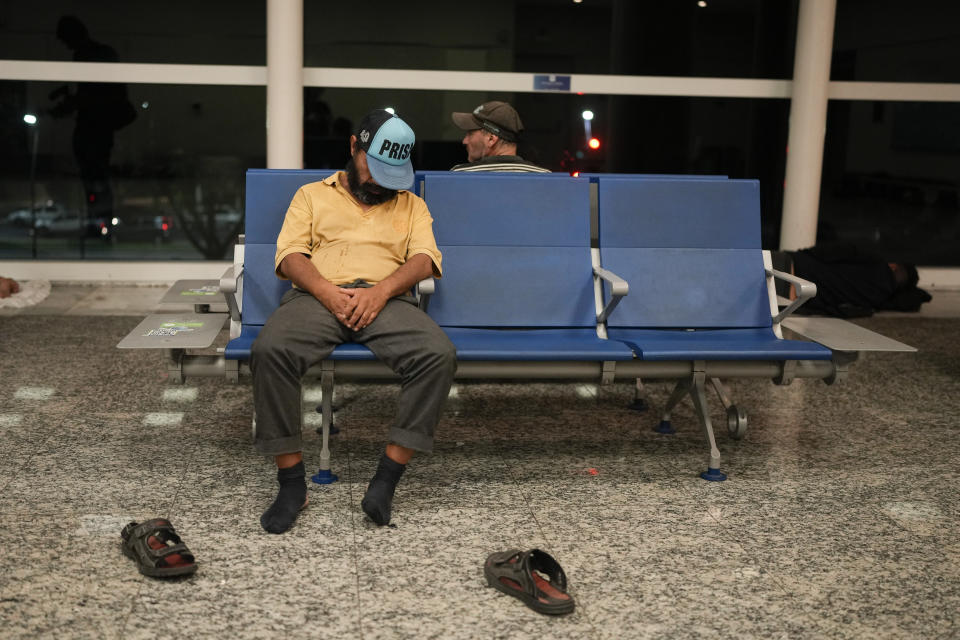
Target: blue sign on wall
[(551, 83)]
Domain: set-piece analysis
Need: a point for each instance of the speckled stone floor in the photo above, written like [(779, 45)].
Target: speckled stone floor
[(838, 519)]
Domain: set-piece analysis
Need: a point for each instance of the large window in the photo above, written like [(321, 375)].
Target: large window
[(686, 86), (167, 185), (890, 180), (169, 32), (890, 172), (888, 41), (745, 39)]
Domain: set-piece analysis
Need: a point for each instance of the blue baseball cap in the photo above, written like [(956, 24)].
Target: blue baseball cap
[(388, 142)]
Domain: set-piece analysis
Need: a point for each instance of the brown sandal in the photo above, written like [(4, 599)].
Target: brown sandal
[(157, 549), (521, 575)]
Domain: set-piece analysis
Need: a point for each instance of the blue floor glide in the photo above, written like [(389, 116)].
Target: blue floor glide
[(713, 475), (665, 427), (324, 476)]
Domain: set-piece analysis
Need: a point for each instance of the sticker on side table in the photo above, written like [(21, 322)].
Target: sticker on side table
[(173, 328), (209, 290), (175, 331)]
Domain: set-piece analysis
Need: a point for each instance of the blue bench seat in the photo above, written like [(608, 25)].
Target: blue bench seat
[(717, 344), (535, 345), (531, 345), (239, 347)]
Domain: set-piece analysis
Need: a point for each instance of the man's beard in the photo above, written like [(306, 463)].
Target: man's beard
[(369, 192)]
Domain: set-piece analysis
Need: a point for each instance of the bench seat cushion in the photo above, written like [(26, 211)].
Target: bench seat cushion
[(239, 347), (717, 344), (544, 345)]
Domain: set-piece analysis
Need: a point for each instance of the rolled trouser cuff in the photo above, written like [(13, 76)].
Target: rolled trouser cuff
[(278, 446), (411, 439)]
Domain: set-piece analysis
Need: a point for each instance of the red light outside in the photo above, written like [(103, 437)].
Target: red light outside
[(594, 143)]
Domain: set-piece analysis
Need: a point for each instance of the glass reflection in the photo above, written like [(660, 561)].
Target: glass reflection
[(99, 109), (169, 185), (890, 180)]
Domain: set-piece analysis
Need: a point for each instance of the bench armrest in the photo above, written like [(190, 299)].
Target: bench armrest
[(423, 290), (229, 284), (805, 291), (618, 289)]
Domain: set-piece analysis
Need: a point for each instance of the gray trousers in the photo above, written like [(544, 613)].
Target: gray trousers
[(302, 332)]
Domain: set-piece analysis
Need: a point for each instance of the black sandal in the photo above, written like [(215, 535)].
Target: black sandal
[(521, 574), (157, 549)]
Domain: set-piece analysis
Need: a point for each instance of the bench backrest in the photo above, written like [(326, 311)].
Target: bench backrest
[(422, 175), (516, 250), (595, 177), (269, 192), (690, 250)]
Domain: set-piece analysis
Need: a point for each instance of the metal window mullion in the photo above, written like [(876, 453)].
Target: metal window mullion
[(427, 80)]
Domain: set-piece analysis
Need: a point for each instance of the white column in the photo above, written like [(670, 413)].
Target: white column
[(284, 84), (808, 123)]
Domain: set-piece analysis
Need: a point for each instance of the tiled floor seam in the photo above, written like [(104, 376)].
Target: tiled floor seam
[(729, 534), (134, 599), (727, 531), (169, 509), (348, 455), (25, 463), (582, 609)]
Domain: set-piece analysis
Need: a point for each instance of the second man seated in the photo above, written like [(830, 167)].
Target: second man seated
[(493, 130)]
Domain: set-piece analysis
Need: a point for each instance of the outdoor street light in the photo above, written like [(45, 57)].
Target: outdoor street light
[(31, 121), (587, 128)]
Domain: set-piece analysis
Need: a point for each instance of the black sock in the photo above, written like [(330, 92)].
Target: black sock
[(379, 497), (293, 493)]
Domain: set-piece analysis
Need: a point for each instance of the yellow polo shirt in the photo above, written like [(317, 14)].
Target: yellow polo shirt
[(346, 243)]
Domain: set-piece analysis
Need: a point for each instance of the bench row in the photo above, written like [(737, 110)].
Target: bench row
[(548, 276)]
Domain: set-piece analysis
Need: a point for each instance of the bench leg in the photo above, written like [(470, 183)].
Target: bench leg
[(695, 386), (722, 392), (323, 475), (174, 358), (639, 398), (679, 391), (699, 397), (736, 417), (333, 428)]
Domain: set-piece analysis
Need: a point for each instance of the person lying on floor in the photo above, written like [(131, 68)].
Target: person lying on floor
[(851, 283), (8, 287), (353, 245)]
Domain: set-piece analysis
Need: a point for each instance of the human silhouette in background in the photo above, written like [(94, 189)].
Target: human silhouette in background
[(101, 108), (851, 282)]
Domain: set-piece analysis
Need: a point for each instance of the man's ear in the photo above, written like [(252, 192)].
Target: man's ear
[(353, 145)]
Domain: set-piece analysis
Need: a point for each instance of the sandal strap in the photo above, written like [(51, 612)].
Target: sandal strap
[(137, 535), (545, 563), (150, 527), (167, 551), (518, 566)]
